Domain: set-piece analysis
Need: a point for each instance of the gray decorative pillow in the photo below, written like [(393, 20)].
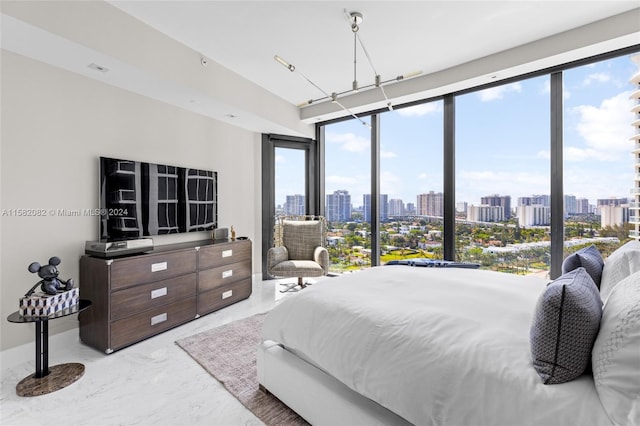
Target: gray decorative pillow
[(590, 259), (301, 237), (565, 326)]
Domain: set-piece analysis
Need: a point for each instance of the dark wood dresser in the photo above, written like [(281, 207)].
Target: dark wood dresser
[(136, 297)]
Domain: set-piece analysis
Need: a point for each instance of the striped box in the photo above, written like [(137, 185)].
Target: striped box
[(43, 305)]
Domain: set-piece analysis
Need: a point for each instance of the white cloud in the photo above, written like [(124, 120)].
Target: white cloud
[(605, 129), (598, 77), (546, 155), (420, 110), (349, 141), (499, 92), (476, 183), (387, 154), (280, 159), (423, 176), (341, 181)]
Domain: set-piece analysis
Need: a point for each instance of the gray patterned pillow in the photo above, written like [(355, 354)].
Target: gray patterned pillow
[(565, 326), (590, 259), (301, 237)]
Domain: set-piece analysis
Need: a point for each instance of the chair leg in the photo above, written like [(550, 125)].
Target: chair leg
[(292, 287)]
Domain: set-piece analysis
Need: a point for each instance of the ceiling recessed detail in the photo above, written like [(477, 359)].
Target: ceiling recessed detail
[(98, 67)]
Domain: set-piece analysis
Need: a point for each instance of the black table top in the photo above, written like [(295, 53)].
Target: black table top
[(80, 306)]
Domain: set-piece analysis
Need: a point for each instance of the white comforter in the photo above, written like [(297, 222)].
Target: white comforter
[(437, 346)]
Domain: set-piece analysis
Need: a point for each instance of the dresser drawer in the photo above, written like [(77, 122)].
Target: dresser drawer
[(148, 323), (222, 275), (225, 295), (144, 269), (133, 300), (224, 254)]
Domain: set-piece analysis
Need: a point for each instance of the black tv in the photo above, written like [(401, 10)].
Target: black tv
[(139, 199)]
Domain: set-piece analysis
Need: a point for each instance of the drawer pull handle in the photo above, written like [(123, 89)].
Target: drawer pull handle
[(158, 292), (227, 274), (155, 267), (227, 253), (227, 294), (158, 319)]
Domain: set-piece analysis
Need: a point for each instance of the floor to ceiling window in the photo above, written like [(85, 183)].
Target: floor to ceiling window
[(525, 151), (598, 163), (347, 186), (411, 161), (503, 177)]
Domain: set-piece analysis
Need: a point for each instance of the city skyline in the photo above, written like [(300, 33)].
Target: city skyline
[(502, 142), (299, 201)]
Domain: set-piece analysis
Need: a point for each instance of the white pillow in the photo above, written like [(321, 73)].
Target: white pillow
[(619, 265), (616, 353)]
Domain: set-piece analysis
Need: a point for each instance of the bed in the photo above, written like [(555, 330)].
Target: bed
[(441, 346)]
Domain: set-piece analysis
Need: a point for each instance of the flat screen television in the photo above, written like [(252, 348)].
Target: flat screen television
[(139, 199)]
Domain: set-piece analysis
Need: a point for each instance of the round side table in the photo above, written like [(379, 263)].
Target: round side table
[(48, 379)]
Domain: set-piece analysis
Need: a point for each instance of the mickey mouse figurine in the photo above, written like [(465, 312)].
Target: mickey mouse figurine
[(50, 283)]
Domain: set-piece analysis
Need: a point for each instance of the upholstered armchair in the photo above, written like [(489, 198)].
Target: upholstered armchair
[(299, 249)]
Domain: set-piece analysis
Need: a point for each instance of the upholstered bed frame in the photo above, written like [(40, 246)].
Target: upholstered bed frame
[(313, 394)]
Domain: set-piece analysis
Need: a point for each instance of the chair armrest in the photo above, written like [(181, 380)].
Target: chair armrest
[(276, 255), (321, 256)]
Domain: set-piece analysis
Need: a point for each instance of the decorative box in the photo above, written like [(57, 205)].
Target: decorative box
[(40, 304)]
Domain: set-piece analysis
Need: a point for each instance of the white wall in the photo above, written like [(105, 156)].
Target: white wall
[(55, 125)]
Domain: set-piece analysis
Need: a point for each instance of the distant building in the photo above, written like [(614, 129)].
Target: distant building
[(614, 201), (534, 215), (431, 204), (500, 201), (614, 215), (383, 206), (583, 206), (570, 205), (295, 205), (338, 206), (410, 209), (485, 213), (542, 200), (461, 207), (396, 207)]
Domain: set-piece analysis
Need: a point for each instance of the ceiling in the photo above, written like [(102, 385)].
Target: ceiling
[(315, 36), (453, 44)]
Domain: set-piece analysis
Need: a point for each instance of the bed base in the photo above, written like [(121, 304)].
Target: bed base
[(316, 396)]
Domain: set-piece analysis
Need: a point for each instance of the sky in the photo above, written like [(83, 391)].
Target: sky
[(502, 142)]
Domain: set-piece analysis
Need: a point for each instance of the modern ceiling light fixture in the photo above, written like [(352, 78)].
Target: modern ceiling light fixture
[(354, 19)]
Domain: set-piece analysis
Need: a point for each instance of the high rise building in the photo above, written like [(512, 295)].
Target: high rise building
[(635, 203), (614, 215), (534, 215), (396, 207), (410, 209), (570, 205), (430, 204), (500, 201), (338, 206), (461, 207), (485, 213), (384, 207), (295, 205), (613, 201), (583, 206)]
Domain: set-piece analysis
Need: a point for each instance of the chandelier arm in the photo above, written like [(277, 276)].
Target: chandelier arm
[(353, 114)]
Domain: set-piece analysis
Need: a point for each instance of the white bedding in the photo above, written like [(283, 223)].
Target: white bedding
[(437, 346)]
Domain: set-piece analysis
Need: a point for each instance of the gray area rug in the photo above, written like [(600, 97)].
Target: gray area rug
[(228, 353)]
